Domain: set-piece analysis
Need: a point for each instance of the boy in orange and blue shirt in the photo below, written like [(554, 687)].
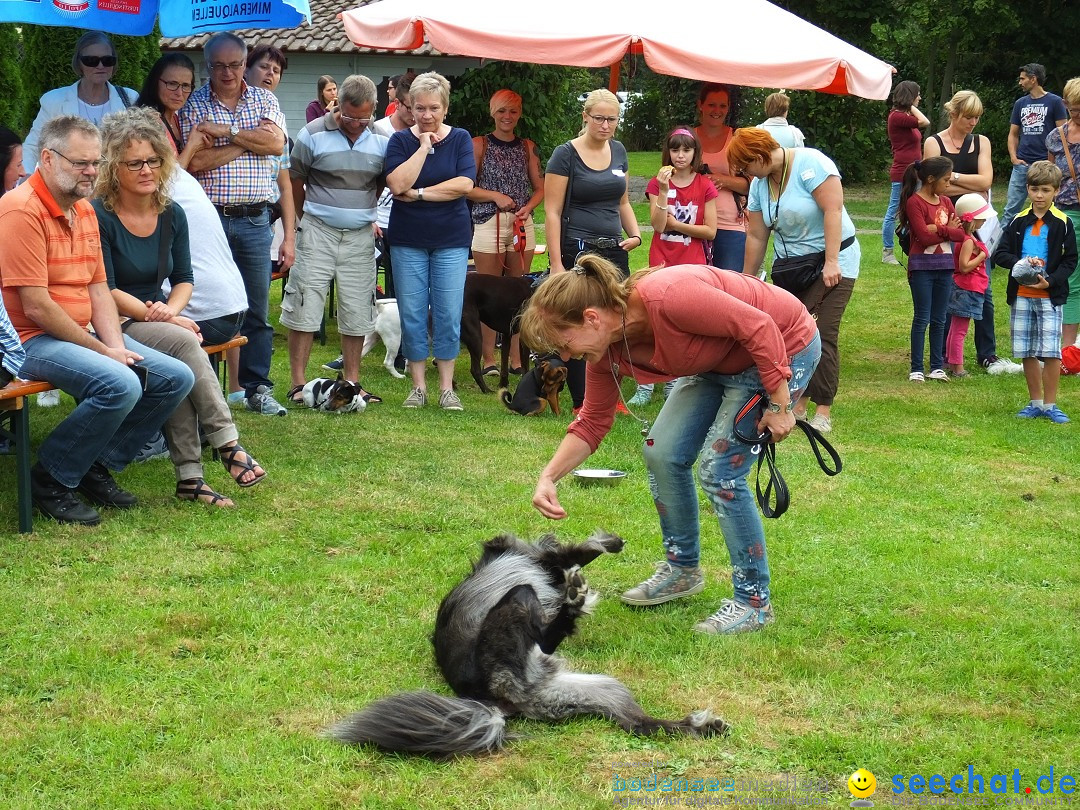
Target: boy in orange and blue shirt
[(1043, 232)]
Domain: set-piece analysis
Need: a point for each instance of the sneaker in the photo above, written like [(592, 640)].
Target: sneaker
[(669, 582), (823, 424), (938, 374), (1030, 411), (99, 486), (55, 500), (157, 447), (262, 401), (642, 395), (668, 388), (416, 399), (1056, 415), (449, 401), (48, 399), (235, 398), (999, 365), (916, 376), (335, 365), (734, 618), (888, 257)]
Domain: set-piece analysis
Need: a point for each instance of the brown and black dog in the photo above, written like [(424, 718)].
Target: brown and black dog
[(494, 301), (539, 388)]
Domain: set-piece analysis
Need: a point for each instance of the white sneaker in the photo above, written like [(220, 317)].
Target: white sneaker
[(1000, 365), (916, 376), (416, 399), (48, 399), (449, 401)]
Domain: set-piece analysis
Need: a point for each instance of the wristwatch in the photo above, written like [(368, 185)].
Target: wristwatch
[(420, 193), (775, 407), (234, 130)]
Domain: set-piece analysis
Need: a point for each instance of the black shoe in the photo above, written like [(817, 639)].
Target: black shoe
[(55, 500), (98, 486)]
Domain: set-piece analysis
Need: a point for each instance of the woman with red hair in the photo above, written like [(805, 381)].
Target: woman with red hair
[(798, 195)]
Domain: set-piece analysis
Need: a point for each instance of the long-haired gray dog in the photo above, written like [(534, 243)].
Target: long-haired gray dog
[(495, 638)]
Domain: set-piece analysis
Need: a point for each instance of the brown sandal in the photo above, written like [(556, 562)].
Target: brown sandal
[(195, 489), (238, 461), (296, 395)]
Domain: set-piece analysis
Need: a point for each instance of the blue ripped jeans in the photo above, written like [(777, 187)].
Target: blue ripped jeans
[(697, 424)]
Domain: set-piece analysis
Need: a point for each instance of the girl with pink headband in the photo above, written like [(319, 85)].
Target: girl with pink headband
[(682, 210)]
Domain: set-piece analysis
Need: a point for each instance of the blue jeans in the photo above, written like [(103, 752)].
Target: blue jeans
[(697, 424), (728, 249), (888, 227), (430, 277), (221, 329), (930, 290), (1016, 195), (114, 418), (985, 337), (249, 240)]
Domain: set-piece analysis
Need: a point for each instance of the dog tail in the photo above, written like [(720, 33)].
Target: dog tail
[(425, 723), (506, 397)]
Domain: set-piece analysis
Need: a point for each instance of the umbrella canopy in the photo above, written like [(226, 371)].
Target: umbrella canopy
[(745, 42), (178, 17)]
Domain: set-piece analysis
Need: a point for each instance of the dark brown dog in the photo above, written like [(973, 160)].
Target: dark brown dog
[(494, 301), (538, 389)]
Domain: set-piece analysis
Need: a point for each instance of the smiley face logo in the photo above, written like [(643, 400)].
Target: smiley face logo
[(862, 784)]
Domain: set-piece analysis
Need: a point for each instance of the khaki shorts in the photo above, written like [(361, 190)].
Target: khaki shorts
[(485, 239), (325, 254)]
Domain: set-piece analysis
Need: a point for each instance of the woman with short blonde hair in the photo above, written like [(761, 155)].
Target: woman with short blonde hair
[(1068, 196)]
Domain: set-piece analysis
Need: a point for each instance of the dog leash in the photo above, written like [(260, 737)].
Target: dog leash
[(776, 497)]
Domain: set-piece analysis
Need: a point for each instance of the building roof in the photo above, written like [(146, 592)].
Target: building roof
[(325, 34)]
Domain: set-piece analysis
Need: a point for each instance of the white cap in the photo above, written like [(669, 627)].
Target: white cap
[(976, 205)]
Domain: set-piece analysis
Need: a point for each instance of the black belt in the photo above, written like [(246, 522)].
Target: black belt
[(603, 242), (254, 210)]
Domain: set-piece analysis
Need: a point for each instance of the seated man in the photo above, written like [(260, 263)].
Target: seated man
[(54, 287)]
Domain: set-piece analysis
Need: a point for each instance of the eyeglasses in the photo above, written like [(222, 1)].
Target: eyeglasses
[(604, 119), (79, 165), (351, 120), (151, 163), (231, 67), (94, 61), (185, 87)]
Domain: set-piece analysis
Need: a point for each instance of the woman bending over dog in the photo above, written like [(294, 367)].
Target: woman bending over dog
[(730, 336)]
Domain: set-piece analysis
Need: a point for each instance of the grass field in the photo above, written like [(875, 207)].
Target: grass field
[(927, 599)]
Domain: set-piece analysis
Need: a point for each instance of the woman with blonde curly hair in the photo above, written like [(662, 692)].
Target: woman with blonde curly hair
[(144, 240)]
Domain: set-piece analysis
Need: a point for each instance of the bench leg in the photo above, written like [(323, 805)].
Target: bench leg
[(20, 427)]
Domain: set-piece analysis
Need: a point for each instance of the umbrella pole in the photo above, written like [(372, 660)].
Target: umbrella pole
[(613, 76)]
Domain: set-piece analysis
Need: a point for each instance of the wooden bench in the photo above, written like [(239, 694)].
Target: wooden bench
[(15, 423)]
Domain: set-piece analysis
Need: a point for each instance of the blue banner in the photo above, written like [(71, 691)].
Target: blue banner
[(178, 17)]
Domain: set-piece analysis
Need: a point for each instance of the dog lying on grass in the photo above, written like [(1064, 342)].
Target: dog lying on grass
[(387, 329), (538, 389), (333, 396), (495, 639)]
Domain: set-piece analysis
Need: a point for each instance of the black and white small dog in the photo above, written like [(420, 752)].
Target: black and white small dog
[(333, 396), (388, 329), (495, 639)]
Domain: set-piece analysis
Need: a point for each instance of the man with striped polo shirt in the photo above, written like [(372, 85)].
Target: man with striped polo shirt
[(246, 131), (337, 165)]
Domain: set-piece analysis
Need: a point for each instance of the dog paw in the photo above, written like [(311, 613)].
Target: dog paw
[(706, 724), (576, 592), (611, 543)]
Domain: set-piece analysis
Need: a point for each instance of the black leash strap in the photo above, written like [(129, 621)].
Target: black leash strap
[(776, 497)]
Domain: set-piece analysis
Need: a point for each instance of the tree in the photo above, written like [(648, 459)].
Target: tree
[(12, 93)]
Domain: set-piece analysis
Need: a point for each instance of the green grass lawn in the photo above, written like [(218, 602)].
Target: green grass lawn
[(179, 656)]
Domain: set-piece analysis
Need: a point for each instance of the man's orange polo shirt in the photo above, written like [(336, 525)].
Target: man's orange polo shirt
[(38, 248)]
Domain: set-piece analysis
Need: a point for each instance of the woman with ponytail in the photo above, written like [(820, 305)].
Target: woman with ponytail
[(729, 336)]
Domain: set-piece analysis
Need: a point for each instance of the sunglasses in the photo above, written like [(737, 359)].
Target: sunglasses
[(94, 61)]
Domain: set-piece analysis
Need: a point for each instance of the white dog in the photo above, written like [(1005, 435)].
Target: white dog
[(388, 328)]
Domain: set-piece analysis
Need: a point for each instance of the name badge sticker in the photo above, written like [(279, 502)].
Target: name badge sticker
[(807, 175), (618, 172)]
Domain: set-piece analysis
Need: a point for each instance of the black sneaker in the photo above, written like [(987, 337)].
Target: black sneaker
[(55, 500), (98, 486)]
